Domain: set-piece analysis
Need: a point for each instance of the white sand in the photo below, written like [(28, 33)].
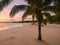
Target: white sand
[(28, 34)]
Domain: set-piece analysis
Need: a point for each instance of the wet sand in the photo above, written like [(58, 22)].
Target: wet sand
[(28, 35)]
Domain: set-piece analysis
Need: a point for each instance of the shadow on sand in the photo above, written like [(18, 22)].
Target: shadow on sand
[(43, 42)]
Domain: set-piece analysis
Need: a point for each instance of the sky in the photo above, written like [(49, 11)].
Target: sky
[(4, 15)]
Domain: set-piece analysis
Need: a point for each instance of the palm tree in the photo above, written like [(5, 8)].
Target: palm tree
[(35, 8), (38, 8)]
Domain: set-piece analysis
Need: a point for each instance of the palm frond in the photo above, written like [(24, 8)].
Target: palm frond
[(44, 21), (49, 8), (47, 14), (58, 1), (24, 16), (0, 6), (17, 8), (34, 2), (46, 2), (48, 17), (4, 3), (28, 12), (57, 8)]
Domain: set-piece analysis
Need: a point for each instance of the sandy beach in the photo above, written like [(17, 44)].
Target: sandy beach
[(28, 35)]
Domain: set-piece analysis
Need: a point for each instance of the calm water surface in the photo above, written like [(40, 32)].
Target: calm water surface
[(4, 26)]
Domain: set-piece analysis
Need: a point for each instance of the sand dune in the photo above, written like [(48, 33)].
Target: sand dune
[(28, 34)]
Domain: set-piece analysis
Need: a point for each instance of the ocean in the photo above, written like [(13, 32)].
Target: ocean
[(5, 26)]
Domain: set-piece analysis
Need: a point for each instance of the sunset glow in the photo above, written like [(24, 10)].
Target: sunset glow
[(2, 18)]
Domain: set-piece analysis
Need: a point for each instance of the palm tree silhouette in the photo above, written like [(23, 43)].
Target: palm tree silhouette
[(35, 8), (38, 8)]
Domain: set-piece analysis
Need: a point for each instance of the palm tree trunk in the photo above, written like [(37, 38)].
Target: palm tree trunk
[(33, 17), (39, 30), (39, 18)]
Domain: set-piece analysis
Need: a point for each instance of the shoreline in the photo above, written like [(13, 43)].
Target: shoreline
[(4, 28)]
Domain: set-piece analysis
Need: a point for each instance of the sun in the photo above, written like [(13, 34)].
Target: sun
[(3, 19)]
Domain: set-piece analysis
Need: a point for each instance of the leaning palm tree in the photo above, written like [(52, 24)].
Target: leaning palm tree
[(37, 8)]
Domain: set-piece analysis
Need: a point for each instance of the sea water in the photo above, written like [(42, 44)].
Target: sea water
[(5, 26)]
